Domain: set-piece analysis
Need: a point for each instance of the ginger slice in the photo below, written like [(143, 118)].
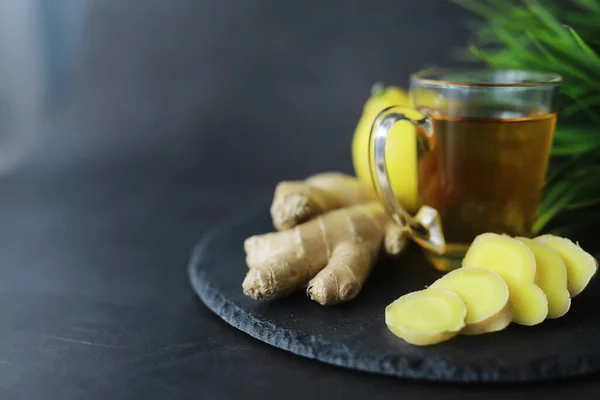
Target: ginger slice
[(551, 277), (515, 263), (485, 295), (426, 317), (581, 266)]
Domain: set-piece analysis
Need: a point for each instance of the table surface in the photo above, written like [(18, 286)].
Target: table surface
[(169, 117)]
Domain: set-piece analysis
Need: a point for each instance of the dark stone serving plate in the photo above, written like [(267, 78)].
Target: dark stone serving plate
[(354, 335)]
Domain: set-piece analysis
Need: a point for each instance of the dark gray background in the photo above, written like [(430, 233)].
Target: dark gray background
[(150, 121)]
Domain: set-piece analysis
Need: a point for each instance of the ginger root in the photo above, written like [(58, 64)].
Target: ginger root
[(551, 277), (330, 233), (426, 317), (296, 202), (332, 253), (581, 266), (515, 263), (485, 295)]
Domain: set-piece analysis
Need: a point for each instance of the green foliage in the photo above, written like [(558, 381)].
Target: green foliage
[(564, 37)]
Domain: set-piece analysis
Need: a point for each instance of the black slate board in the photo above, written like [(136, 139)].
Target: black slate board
[(354, 335)]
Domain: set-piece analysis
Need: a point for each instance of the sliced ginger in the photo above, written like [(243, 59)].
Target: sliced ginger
[(551, 277), (485, 295), (426, 317), (580, 265), (515, 263)]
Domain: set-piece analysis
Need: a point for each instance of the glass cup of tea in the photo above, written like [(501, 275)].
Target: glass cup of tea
[(483, 147)]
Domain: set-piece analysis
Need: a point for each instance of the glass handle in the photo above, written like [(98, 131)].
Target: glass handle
[(426, 227)]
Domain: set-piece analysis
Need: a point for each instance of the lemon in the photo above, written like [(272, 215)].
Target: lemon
[(401, 146)]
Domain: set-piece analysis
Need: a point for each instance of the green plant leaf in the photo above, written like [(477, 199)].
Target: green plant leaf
[(546, 53), (576, 205), (575, 221), (589, 5), (577, 134), (554, 209), (570, 141), (561, 196), (583, 45), (580, 105), (545, 17), (551, 196), (569, 150)]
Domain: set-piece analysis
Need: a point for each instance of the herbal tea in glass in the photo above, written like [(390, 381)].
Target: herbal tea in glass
[(484, 146)]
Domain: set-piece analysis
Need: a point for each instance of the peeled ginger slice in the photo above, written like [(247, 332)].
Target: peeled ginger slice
[(426, 317), (581, 266), (551, 277), (485, 295), (515, 263)]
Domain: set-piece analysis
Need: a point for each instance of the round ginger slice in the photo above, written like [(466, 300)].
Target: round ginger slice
[(426, 317), (551, 277), (581, 266), (485, 295), (515, 263)]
